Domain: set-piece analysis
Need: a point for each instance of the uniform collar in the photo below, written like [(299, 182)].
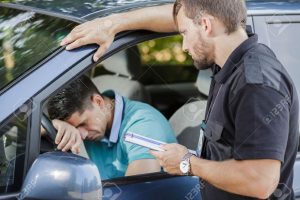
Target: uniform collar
[(236, 56), (118, 114)]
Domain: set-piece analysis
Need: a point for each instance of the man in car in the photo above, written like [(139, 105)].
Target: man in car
[(102, 120), (251, 125)]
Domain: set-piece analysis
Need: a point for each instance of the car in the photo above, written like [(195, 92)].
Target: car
[(141, 65)]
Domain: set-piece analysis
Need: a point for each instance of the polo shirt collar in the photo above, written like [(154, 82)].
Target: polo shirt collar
[(235, 57), (118, 114)]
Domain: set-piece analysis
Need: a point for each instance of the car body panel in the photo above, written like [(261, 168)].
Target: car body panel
[(178, 187)]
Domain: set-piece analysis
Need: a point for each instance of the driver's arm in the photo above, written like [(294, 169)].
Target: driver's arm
[(102, 31), (68, 137), (143, 166)]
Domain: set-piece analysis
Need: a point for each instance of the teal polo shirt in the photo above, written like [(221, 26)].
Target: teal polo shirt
[(113, 155)]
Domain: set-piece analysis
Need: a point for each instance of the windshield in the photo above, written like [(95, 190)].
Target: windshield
[(25, 39)]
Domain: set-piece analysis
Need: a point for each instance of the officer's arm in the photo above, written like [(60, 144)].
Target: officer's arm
[(254, 178), (143, 166), (102, 31)]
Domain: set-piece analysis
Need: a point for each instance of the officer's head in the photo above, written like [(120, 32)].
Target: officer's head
[(204, 23), (81, 105)]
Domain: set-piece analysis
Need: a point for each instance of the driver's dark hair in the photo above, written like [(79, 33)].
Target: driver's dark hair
[(74, 97)]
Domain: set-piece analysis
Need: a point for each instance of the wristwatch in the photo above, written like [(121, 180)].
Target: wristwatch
[(185, 164)]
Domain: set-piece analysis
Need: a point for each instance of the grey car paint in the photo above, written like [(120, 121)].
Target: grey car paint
[(63, 176)]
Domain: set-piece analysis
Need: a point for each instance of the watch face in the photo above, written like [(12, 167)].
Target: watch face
[(184, 167)]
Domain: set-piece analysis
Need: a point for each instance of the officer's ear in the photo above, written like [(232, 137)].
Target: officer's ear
[(205, 22)]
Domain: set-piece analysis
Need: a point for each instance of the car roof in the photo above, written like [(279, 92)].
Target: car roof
[(84, 8), (90, 9)]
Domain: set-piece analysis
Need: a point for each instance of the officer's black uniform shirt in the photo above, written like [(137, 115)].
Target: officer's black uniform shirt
[(254, 115)]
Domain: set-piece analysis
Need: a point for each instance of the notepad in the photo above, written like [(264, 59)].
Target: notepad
[(146, 142)]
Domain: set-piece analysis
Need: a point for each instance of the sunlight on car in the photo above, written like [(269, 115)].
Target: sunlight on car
[(26, 38)]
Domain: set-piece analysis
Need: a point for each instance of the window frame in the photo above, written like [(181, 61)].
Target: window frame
[(29, 104)]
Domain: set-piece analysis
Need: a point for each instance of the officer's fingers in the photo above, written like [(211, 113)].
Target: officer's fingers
[(158, 155), (164, 146), (65, 140), (83, 40), (165, 169), (161, 163), (71, 37), (167, 147), (103, 48), (78, 28), (100, 51), (68, 39)]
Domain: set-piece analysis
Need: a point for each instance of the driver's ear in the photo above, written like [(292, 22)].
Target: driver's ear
[(97, 100)]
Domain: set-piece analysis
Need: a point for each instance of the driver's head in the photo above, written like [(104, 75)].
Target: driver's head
[(205, 23), (81, 105)]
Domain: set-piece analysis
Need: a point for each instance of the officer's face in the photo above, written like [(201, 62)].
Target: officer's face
[(92, 123), (195, 41)]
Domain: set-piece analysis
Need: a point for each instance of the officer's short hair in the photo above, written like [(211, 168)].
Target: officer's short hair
[(232, 13)]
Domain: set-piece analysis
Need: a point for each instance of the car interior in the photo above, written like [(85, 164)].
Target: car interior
[(182, 102)]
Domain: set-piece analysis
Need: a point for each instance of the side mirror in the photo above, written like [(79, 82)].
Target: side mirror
[(60, 175)]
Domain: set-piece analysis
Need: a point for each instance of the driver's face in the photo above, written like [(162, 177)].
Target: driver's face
[(92, 123)]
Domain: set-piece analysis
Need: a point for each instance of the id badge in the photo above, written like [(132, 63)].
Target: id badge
[(201, 139)]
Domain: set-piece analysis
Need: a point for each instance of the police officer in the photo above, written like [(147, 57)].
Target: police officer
[(251, 124)]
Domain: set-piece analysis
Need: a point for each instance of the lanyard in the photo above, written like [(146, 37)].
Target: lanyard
[(212, 105), (201, 142)]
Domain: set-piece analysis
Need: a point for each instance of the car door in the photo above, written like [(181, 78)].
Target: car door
[(280, 31), (153, 186)]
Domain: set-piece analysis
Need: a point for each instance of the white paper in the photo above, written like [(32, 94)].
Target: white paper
[(146, 142)]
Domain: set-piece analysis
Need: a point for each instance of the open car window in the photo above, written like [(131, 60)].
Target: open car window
[(25, 39)]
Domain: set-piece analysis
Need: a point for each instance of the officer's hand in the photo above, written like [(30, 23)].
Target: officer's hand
[(98, 31), (68, 137), (170, 158)]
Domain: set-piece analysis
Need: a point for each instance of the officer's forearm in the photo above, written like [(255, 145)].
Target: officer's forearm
[(256, 178), (159, 19)]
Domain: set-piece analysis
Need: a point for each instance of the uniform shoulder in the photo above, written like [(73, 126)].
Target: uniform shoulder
[(262, 67)]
